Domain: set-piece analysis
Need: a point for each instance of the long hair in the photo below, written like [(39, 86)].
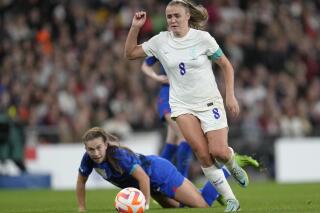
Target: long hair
[(198, 14), (113, 144)]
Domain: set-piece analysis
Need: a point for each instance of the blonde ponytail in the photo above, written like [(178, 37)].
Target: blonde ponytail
[(198, 14)]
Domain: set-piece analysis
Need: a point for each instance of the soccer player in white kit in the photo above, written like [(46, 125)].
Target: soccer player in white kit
[(186, 53)]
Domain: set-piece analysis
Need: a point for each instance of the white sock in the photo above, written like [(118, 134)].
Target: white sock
[(219, 181)]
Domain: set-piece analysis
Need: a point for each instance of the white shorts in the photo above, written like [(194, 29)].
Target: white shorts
[(212, 119)]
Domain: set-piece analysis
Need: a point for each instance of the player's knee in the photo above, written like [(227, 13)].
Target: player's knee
[(221, 153)]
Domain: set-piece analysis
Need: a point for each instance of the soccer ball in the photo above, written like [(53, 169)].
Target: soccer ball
[(130, 200)]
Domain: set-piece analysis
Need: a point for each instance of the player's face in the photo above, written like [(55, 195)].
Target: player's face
[(96, 149), (178, 19)]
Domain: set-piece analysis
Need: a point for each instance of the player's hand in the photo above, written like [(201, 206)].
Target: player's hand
[(232, 106), (162, 79), (139, 19)]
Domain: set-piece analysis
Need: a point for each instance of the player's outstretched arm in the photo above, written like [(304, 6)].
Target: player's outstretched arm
[(131, 49), (81, 192), (144, 183)]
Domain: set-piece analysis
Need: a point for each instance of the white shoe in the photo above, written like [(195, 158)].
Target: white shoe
[(232, 206)]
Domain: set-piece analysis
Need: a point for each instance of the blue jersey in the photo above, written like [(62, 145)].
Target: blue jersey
[(163, 106), (164, 177)]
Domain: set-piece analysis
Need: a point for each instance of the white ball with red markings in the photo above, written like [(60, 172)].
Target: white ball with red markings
[(130, 200)]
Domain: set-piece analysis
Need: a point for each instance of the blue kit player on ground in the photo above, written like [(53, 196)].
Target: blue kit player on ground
[(153, 175)]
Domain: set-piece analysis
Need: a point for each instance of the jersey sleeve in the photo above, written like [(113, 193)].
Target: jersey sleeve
[(151, 46), (127, 160), (86, 165), (213, 50)]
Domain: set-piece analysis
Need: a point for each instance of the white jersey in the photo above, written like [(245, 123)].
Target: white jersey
[(187, 61)]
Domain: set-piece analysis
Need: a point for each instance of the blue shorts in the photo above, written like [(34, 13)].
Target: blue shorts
[(163, 101), (165, 178)]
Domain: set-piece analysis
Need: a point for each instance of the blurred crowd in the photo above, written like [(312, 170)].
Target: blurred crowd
[(62, 68)]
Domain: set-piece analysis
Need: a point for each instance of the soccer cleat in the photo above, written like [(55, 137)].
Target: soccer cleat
[(232, 205), (245, 160), (240, 175)]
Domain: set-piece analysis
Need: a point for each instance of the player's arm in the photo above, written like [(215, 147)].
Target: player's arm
[(149, 71), (131, 49), (81, 192), (228, 73), (144, 182)]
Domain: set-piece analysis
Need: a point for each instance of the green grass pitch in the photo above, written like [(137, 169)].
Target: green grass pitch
[(257, 198)]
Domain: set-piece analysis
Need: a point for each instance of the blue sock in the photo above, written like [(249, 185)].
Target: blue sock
[(209, 193), (226, 172), (169, 151), (183, 158)]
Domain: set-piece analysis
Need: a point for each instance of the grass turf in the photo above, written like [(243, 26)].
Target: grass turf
[(258, 198)]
